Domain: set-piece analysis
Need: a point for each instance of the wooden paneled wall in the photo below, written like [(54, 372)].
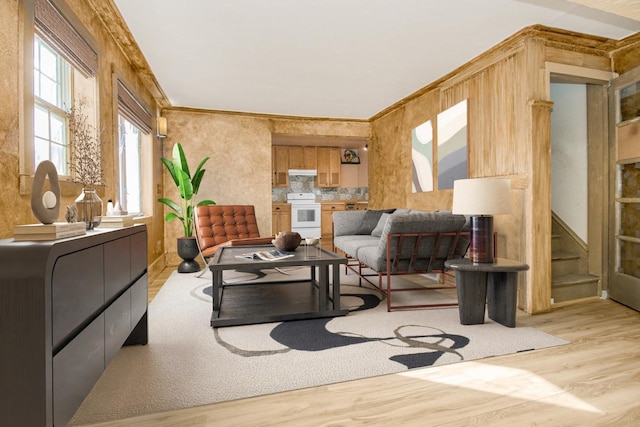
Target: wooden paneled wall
[(508, 136)]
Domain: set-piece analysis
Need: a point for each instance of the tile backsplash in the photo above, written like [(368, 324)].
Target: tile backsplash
[(306, 184)]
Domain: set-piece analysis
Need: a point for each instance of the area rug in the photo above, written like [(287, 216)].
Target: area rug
[(187, 363)]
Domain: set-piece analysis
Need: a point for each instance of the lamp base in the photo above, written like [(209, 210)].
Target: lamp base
[(481, 244)]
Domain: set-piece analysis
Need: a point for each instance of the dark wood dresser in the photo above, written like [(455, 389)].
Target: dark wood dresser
[(66, 308)]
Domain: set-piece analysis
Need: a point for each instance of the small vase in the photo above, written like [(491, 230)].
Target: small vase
[(89, 207)]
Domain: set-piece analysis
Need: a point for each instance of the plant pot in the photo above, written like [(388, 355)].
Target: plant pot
[(188, 251)]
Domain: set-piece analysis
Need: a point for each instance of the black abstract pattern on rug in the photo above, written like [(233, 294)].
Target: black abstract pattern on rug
[(313, 335)]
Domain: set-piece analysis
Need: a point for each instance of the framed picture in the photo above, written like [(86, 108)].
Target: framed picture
[(452, 145), (349, 156), (422, 158)]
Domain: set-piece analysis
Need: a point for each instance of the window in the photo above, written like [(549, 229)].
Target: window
[(63, 72), (135, 195), (130, 167), (52, 92)]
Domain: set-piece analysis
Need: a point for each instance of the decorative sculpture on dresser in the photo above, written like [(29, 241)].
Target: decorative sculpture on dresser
[(45, 206)]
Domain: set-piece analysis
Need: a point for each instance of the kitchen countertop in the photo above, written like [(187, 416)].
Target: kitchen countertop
[(335, 202), (329, 202)]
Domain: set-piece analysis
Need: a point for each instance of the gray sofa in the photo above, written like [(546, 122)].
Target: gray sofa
[(399, 241)]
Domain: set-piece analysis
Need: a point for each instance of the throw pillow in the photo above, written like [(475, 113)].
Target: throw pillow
[(370, 220), (377, 232)]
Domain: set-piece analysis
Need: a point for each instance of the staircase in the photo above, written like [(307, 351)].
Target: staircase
[(570, 278)]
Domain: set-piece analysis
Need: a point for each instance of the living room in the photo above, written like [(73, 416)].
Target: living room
[(239, 144), (243, 141)]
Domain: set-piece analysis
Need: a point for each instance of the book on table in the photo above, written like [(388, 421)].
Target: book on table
[(272, 255), (114, 221), (54, 231)]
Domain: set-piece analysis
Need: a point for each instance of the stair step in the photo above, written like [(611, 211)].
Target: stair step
[(563, 256), (572, 279), (575, 286)]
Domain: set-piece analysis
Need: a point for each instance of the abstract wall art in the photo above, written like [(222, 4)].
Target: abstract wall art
[(452, 145), (422, 158)]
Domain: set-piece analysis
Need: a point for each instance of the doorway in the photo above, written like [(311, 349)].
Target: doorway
[(579, 183)]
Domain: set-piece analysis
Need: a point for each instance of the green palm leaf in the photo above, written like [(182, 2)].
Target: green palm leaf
[(188, 187)]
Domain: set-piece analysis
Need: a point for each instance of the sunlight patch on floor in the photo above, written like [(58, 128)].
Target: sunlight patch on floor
[(502, 380)]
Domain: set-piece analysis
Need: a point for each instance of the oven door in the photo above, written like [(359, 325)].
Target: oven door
[(304, 216)]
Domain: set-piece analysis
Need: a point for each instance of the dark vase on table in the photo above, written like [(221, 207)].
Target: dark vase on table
[(188, 251)]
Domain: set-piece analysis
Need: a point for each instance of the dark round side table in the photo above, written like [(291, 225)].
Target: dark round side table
[(496, 283)]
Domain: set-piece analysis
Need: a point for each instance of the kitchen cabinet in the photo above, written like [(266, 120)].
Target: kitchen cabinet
[(280, 218), (326, 219), (356, 206), (302, 157), (280, 166), (328, 167)]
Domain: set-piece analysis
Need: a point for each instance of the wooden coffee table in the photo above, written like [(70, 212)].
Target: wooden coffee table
[(277, 300)]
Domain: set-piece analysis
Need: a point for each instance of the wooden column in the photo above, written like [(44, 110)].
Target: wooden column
[(538, 211)]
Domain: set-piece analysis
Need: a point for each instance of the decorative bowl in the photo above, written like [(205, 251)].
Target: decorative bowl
[(312, 241), (287, 241)]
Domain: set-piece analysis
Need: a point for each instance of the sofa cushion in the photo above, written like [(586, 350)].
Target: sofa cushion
[(417, 222), (371, 219), (347, 223), (351, 245), (402, 211), (377, 231)]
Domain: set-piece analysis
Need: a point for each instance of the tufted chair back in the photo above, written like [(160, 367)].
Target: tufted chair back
[(226, 225)]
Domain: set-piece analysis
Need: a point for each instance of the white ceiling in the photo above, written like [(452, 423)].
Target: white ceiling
[(335, 58)]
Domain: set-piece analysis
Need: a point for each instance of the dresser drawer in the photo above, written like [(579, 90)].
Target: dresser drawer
[(117, 325), (77, 290), (76, 368), (117, 266)]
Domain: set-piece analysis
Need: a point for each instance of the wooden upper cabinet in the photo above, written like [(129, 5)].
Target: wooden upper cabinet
[(328, 167), (302, 157), (280, 166)]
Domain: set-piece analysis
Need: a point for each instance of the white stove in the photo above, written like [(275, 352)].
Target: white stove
[(305, 214)]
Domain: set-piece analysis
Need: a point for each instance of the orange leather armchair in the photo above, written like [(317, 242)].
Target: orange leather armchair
[(226, 225)]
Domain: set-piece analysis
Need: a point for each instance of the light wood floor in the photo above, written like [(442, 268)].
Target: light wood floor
[(594, 381)]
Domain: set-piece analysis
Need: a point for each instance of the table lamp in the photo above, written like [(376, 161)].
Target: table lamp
[(481, 198)]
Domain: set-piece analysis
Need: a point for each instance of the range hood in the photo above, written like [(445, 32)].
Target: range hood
[(303, 172)]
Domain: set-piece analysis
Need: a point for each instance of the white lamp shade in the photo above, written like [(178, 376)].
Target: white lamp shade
[(482, 196)]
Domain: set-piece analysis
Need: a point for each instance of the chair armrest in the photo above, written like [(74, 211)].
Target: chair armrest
[(249, 241)]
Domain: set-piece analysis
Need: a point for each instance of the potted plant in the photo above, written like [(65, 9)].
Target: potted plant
[(188, 187)]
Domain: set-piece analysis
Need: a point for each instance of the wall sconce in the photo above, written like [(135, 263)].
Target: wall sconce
[(366, 147), (162, 127), (481, 198)]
